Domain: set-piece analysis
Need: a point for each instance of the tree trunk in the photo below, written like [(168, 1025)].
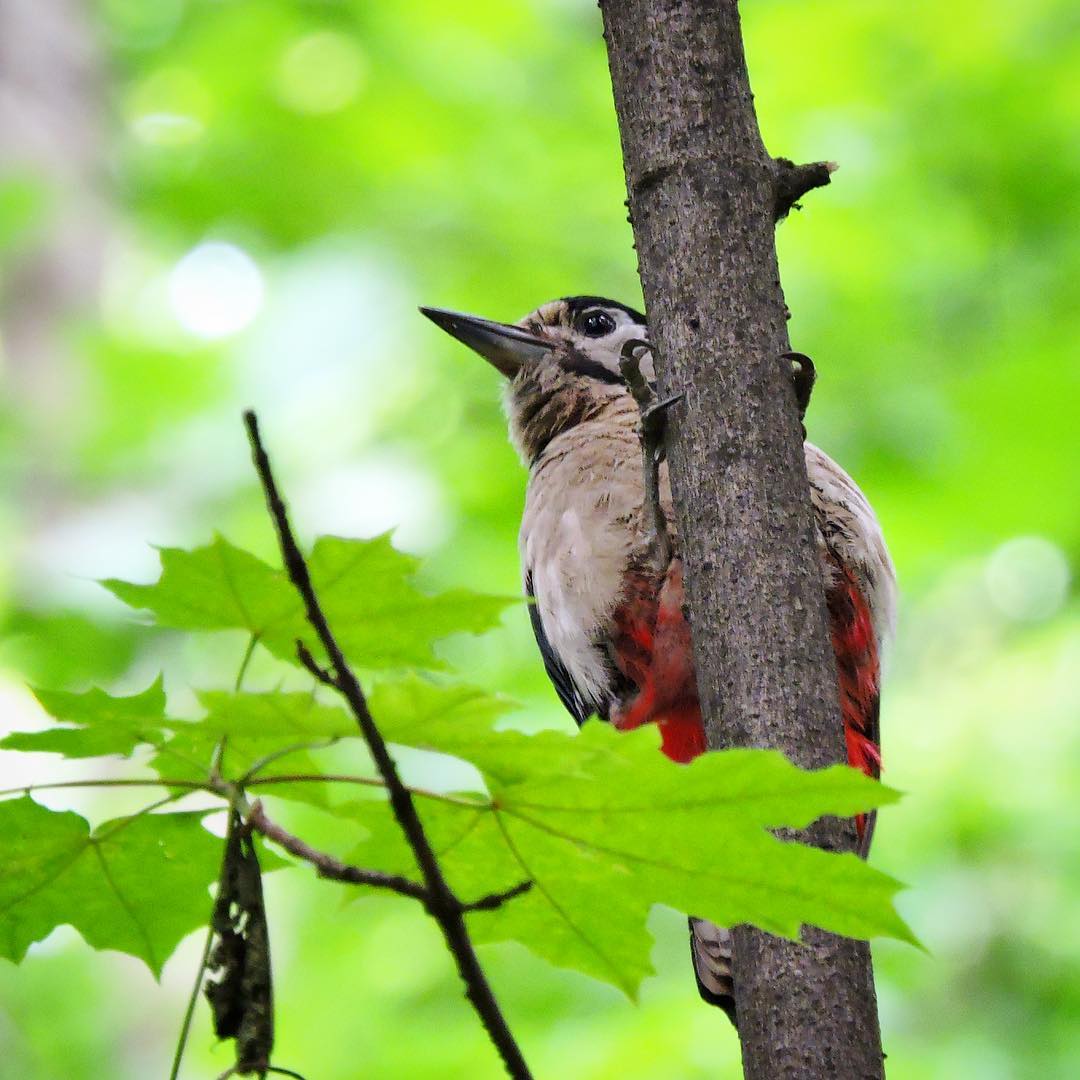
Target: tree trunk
[(704, 199), (52, 135)]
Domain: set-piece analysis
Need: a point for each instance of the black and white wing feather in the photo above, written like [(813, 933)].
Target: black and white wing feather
[(569, 694)]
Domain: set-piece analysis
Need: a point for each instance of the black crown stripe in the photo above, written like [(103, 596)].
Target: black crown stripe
[(578, 304)]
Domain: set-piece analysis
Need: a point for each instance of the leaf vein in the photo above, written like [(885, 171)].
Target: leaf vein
[(151, 955), (556, 906)]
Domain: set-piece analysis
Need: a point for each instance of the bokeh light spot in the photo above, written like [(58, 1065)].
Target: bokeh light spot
[(170, 107), (137, 24), (1028, 578), (320, 73), (215, 290), (167, 129)]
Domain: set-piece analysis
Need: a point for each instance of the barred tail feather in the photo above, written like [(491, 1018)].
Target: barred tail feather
[(710, 949)]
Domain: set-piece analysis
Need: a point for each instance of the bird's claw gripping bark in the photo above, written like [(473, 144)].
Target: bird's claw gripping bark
[(654, 416), (656, 538), (803, 376)]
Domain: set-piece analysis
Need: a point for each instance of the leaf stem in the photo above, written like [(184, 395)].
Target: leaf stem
[(124, 822), (277, 755), (193, 1000), (248, 652), (222, 791), (363, 781), (191, 785)]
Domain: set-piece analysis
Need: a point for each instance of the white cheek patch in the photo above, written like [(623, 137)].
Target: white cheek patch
[(608, 350)]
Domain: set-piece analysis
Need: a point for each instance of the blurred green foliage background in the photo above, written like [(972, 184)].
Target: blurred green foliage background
[(211, 204)]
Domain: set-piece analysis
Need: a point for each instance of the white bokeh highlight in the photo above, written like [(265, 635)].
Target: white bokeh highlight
[(320, 73), (215, 290), (1028, 578)]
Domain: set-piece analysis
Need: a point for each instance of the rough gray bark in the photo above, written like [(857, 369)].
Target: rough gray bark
[(704, 199)]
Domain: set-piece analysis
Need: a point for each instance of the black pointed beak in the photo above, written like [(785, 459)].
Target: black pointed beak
[(506, 347)]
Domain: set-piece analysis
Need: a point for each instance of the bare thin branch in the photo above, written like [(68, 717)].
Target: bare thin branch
[(309, 661), (326, 865), (441, 902), (497, 899)]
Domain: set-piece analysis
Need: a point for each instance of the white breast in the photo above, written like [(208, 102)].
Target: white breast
[(582, 510)]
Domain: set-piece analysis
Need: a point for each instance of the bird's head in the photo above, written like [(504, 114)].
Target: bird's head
[(561, 362)]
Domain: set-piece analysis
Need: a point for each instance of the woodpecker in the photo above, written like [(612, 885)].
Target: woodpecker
[(611, 629)]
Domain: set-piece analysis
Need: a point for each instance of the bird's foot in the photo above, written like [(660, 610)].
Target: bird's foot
[(656, 544), (803, 376), (654, 416)]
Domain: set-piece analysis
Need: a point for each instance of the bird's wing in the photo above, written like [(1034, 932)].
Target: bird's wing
[(569, 694), (860, 595), (857, 666), (858, 671)]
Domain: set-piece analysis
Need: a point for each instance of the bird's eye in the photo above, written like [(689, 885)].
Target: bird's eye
[(597, 323)]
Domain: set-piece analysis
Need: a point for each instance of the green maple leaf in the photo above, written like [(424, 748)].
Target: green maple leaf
[(277, 718), (603, 846), (99, 724), (450, 718), (217, 587), (605, 827), (138, 884), (380, 619), (366, 592), (274, 732)]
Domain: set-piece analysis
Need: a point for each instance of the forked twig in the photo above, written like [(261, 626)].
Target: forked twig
[(317, 670), (497, 899), (326, 866)]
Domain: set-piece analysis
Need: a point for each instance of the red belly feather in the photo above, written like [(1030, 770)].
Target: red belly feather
[(651, 642), (652, 648)]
